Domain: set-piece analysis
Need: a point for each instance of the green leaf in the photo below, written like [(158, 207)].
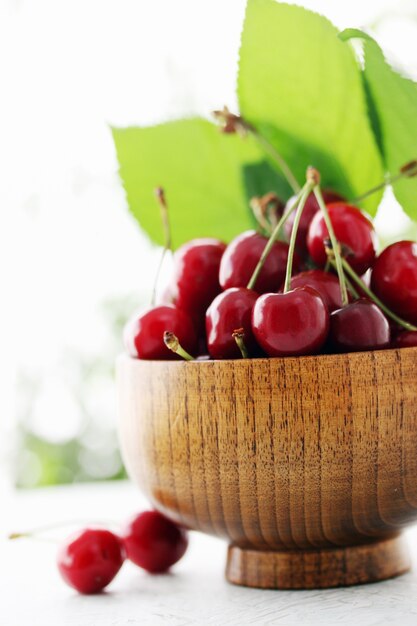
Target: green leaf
[(301, 87), (206, 175), (260, 178), (393, 105)]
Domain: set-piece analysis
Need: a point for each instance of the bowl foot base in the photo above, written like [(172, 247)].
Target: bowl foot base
[(315, 569)]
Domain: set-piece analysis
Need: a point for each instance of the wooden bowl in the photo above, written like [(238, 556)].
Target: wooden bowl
[(308, 466)]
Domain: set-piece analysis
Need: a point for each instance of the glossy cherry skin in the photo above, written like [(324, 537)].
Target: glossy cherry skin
[(310, 209), (90, 560), (406, 339), (326, 284), (229, 311), (394, 279), (295, 323), (357, 327), (153, 542), (143, 335), (195, 279), (242, 256), (351, 228)]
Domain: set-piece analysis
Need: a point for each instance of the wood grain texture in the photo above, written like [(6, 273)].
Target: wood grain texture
[(312, 569), (295, 455)]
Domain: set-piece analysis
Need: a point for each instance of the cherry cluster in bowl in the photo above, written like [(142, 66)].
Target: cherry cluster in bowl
[(279, 294)]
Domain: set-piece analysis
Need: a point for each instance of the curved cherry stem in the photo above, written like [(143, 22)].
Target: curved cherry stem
[(256, 207), (407, 171), (14, 536), (304, 195), (239, 337), (350, 286), (172, 343), (272, 240), (335, 244), (232, 123), (357, 279), (160, 195), (35, 533), (352, 289), (267, 209)]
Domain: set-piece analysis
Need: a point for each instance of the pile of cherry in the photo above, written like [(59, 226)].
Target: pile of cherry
[(89, 560), (281, 296)]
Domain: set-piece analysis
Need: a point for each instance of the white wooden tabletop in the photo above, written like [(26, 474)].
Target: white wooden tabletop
[(32, 594)]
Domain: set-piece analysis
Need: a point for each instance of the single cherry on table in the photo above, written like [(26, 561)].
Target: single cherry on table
[(153, 542), (90, 560)]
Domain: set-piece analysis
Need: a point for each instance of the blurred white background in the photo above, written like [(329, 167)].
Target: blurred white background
[(72, 260)]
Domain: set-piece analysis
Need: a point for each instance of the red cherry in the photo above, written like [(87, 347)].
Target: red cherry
[(90, 560), (394, 279), (351, 228), (144, 335), (242, 256), (407, 339), (359, 326), (291, 324), (196, 276), (154, 542), (327, 285), (310, 209), (229, 311)]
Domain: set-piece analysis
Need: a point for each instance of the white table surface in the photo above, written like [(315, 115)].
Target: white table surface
[(32, 594)]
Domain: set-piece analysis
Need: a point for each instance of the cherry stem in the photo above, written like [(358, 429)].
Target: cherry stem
[(304, 195), (266, 210), (352, 289), (331, 263), (232, 123), (160, 195), (34, 532), (357, 279), (258, 211), (407, 171), (335, 245), (172, 343), (239, 336), (14, 536), (269, 245)]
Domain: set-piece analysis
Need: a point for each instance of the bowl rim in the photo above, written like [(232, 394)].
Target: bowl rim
[(376, 354)]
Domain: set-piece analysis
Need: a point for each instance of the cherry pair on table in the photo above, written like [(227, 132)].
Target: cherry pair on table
[(90, 560)]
